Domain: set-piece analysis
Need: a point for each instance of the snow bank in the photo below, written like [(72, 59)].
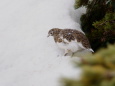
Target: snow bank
[(27, 56)]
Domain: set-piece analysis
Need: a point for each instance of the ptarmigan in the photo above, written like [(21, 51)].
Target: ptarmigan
[(70, 40)]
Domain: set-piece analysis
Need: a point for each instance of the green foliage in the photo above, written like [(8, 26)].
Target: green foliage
[(104, 32), (99, 21), (97, 70), (79, 3)]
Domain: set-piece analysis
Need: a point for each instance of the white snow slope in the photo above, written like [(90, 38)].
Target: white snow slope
[(27, 56)]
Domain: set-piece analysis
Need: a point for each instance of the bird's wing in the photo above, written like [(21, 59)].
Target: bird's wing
[(80, 37)]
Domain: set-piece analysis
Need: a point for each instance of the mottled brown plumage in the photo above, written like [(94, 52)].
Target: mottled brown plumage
[(66, 36)]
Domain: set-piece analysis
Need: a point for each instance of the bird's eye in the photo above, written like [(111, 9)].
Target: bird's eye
[(51, 33)]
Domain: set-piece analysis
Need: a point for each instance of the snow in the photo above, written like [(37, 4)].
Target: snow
[(27, 56)]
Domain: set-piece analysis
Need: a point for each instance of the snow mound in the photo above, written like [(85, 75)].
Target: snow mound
[(27, 56)]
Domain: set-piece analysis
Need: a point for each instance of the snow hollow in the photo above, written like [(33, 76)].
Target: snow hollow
[(27, 56)]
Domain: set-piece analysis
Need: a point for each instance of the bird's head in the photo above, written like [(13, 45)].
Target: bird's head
[(53, 32)]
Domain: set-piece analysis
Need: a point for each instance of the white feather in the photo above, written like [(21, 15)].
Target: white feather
[(72, 46)]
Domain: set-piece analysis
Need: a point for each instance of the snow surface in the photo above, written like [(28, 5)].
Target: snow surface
[(27, 56)]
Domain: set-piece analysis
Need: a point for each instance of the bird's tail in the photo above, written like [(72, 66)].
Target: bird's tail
[(91, 50)]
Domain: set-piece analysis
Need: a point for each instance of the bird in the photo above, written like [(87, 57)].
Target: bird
[(70, 40)]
